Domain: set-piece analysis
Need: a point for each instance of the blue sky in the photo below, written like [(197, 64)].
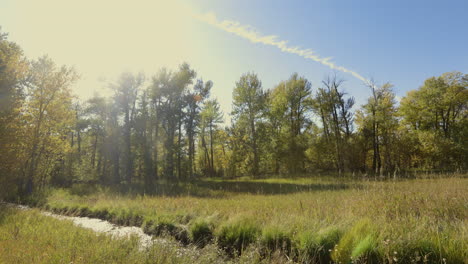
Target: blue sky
[(403, 42)]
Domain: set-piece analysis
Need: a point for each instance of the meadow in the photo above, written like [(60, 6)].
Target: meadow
[(30, 237), (304, 220)]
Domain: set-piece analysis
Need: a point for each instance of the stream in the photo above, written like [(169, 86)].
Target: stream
[(102, 226)]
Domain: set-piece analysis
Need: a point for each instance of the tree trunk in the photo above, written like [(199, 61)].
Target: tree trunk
[(93, 156), (179, 150), (254, 146), (156, 139), (212, 169), (128, 148)]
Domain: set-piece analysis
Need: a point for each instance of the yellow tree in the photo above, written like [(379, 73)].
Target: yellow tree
[(12, 69), (49, 117)]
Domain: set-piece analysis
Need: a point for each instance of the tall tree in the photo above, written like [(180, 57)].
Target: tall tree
[(194, 99), (290, 104), (48, 111), (437, 113), (170, 89), (211, 116), (96, 114), (379, 117), (126, 90), (13, 68), (336, 116), (143, 141), (248, 109)]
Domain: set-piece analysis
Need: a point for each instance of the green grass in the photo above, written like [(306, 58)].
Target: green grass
[(237, 235), (308, 219), (275, 238), (316, 247), (29, 237), (201, 232)]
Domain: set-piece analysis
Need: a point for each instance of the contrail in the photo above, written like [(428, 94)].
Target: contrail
[(251, 34)]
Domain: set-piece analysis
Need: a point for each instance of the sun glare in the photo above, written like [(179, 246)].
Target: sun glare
[(103, 38)]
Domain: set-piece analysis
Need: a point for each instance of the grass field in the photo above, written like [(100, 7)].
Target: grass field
[(308, 220), (30, 237)]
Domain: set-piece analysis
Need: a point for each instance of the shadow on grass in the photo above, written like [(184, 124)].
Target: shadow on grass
[(210, 189), (266, 188)]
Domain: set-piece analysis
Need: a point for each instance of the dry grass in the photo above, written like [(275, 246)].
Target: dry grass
[(417, 219), (30, 237)]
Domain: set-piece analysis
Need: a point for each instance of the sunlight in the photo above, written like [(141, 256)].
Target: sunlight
[(103, 38)]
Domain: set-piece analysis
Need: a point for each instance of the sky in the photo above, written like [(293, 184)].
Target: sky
[(402, 42)]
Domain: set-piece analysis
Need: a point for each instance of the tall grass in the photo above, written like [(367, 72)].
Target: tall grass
[(29, 237), (308, 220)]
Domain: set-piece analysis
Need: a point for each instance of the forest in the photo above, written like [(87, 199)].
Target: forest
[(166, 126)]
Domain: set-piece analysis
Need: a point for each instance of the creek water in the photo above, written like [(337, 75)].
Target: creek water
[(102, 226), (116, 231)]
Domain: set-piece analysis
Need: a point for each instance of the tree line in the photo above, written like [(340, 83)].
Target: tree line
[(168, 127)]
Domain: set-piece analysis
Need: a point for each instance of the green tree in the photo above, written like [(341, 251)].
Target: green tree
[(211, 116), (169, 90), (335, 113), (143, 142), (437, 113), (13, 68), (194, 99), (126, 90), (290, 106), (248, 109), (378, 119), (49, 115)]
